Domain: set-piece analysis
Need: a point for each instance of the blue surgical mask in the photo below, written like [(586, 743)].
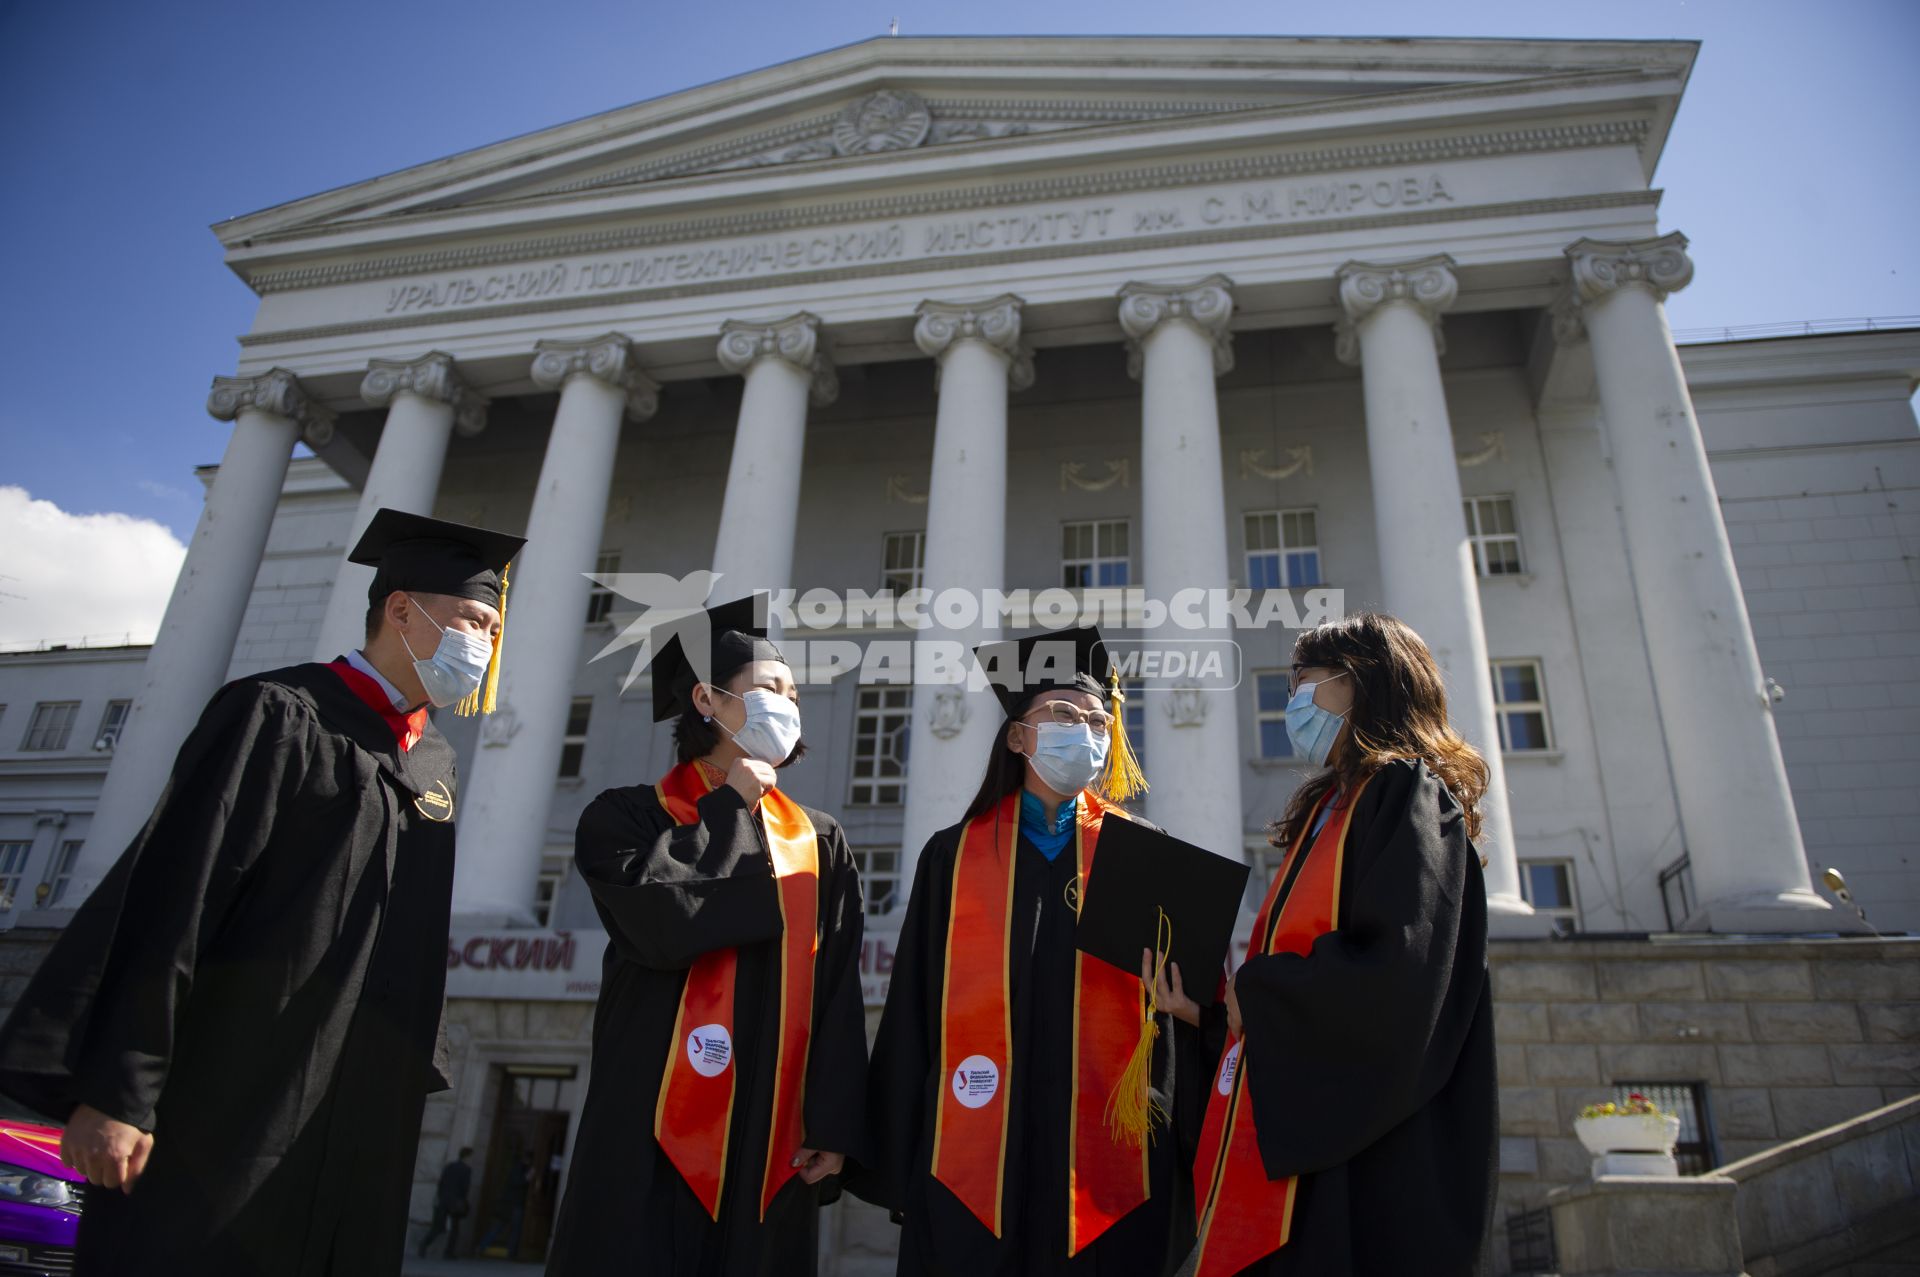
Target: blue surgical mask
[(772, 727), (1067, 756), (1311, 728), (457, 666)]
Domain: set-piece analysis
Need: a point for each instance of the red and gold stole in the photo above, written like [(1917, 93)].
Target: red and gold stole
[(1244, 1216), (1106, 1179), (695, 1109)]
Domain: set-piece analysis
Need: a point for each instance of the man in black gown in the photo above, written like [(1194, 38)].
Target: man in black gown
[(242, 1022)]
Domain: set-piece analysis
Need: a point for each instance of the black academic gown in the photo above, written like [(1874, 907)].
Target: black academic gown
[(667, 894), (1370, 1058), (258, 981), (939, 1236)]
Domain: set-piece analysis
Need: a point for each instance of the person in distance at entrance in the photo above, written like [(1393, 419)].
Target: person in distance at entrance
[(729, 1044), (1351, 1126), (242, 1022)]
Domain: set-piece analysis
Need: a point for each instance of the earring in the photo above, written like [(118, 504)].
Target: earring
[(706, 718)]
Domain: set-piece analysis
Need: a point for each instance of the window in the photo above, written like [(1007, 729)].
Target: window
[(1283, 549), (1676, 892), (600, 597), (1270, 713), (1688, 1102), (903, 556), (880, 723), (1095, 555), (1547, 885), (1134, 717), (574, 747), (553, 872), (60, 872), (110, 724), (879, 877), (51, 726), (1520, 702), (1494, 535), (13, 866)]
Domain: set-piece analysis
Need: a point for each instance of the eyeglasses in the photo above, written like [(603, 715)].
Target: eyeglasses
[(1068, 714), (1293, 678)]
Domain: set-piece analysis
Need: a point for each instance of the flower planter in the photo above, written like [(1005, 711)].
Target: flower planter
[(1630, 1144)]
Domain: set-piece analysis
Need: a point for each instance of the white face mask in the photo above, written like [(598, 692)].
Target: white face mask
[(772, 726), (457, 666), (1067, 756)]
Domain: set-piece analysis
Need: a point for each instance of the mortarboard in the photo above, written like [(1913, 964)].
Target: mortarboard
[(736, 636), (1019, 670), (411, 552)]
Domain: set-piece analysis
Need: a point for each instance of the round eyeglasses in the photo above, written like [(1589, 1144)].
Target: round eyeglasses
[(1068, 714)]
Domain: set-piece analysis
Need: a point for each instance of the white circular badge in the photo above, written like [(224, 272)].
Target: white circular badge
[(710, 1049), (975, 1081), (1228, 1067)]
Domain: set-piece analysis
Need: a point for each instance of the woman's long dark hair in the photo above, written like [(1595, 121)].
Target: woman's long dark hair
[(1006, 767), (1399, 711)]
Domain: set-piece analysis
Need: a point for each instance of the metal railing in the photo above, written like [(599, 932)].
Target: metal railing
[(77, 642), (1796, 328)]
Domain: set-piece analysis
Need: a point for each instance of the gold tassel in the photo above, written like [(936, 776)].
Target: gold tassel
[(481, 700), (1132, 1111), (1123, 777)]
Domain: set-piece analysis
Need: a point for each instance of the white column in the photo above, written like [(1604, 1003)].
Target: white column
[(195, 644), (979, 357), (426, 401), (1177, 345), (507, 791), (1736, 810), (785, 364), (1426, 564)]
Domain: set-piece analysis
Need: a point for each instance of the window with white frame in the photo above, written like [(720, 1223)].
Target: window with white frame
[(1283, 549), (554, 867), (882, 716), (60, 872), (51, 726), (574, 746), (1494, 535), (903, 556), (111, 724), (879, 877), (1096, 554), (1270, 713), (1547, 885), (1520, 704), (600, 597), (13, 867)]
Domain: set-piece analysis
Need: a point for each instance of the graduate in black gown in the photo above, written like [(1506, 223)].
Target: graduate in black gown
[(1361, 1102), (242, 1022), (1059, 762), (729, 1070)]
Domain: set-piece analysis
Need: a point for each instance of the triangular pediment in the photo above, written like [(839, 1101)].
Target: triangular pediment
[(913, 97)]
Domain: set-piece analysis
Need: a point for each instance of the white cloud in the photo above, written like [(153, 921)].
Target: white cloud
[(68, 576)]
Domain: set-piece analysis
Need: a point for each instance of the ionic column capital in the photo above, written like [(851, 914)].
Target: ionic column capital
[(1207, 304), (795, 340), (994, 322), (1603, 267), (276, 391), (1428, 285), (432, 376), (607, 359)]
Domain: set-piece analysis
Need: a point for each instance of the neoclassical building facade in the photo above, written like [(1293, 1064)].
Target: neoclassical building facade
[(1115, 317)]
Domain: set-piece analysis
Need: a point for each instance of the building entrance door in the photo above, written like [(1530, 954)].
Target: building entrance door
[(524, 1157)]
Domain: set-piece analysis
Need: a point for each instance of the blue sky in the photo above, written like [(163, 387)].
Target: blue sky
[(132, 126)]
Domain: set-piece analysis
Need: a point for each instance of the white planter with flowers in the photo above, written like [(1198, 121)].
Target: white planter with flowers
[(1633, 1138)]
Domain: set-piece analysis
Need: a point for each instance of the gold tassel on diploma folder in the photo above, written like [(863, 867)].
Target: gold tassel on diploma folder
[(1132, 1111)]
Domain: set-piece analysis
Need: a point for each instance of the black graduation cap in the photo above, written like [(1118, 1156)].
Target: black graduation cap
[(434, 556), (1052, 660), (1020, 669), (1139, 872), (736, 637), (412, 552)]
